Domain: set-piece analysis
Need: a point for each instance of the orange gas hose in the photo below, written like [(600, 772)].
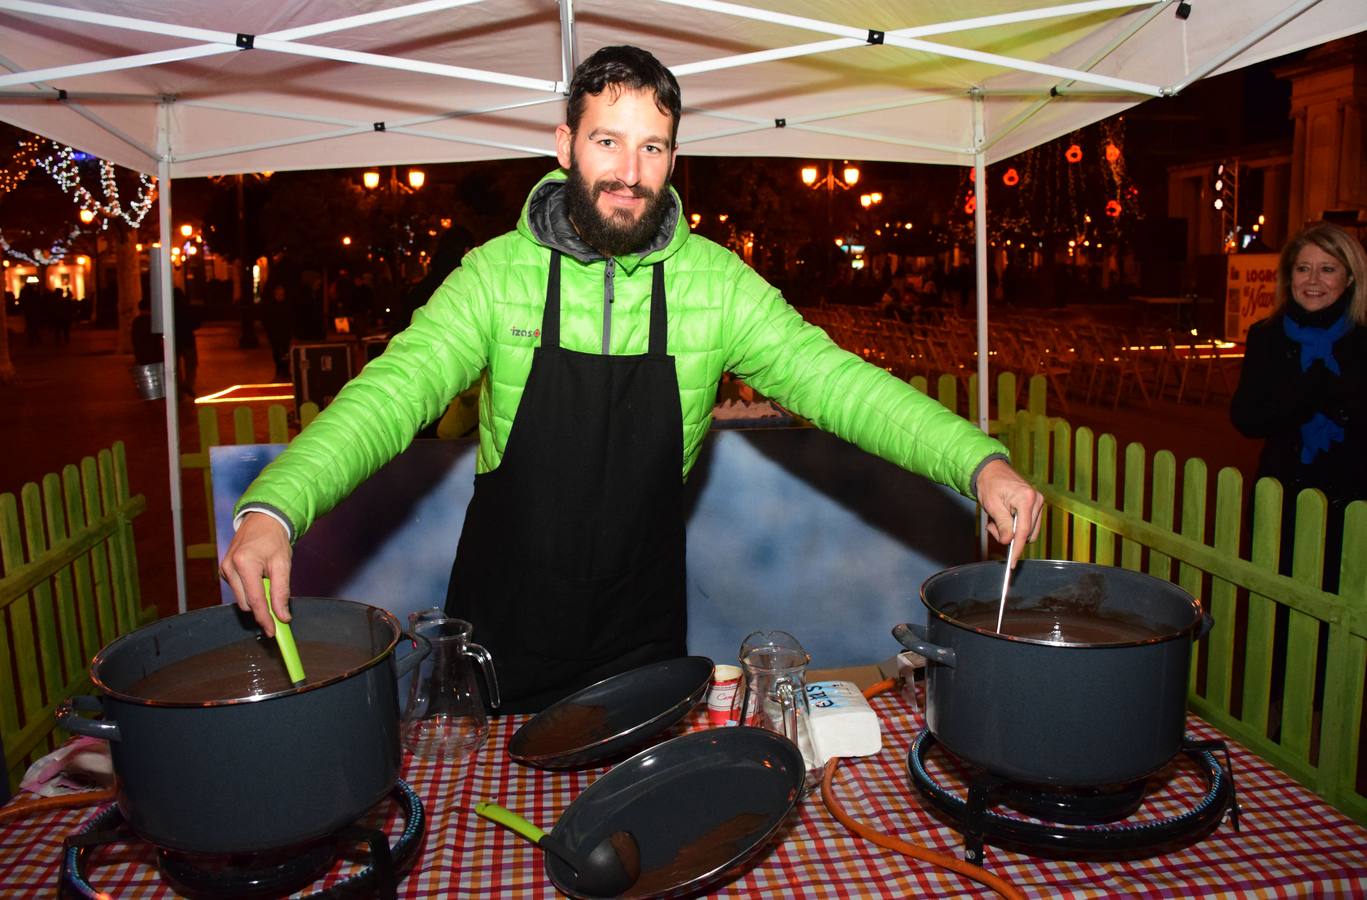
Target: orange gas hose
[(84, 798), (944, 861)]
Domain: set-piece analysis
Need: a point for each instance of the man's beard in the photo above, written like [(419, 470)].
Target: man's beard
[(616, 234)]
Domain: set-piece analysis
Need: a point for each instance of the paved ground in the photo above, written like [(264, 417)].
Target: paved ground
[(73, 401)]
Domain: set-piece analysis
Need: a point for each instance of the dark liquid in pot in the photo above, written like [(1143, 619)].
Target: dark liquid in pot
[(246, 668), (1060, 626)]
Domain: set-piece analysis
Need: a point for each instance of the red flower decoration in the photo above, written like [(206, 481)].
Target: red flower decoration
[(1011, 178), (1073, 154)]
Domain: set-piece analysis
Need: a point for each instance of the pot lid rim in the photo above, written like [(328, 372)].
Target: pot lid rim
[(126, 697), (1164, 638), (1177, 633)]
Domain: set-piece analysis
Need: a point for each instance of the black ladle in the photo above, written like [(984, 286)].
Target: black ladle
[(608, 870)]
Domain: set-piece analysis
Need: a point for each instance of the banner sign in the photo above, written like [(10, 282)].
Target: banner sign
[(1250, 287)]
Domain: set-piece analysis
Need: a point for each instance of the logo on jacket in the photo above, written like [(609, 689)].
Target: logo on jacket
[(525, 332)]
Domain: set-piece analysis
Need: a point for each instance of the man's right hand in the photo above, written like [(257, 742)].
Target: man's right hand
[(260, 549)]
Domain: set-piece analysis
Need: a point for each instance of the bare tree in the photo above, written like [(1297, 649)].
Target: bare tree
[(125, 241)]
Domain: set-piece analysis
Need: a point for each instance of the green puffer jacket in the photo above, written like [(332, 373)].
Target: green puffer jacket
[(722, 317)]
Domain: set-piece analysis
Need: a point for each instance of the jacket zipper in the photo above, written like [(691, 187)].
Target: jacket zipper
[(608, 294)]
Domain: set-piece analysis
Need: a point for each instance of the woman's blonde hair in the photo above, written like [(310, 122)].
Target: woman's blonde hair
[(1337, 243)]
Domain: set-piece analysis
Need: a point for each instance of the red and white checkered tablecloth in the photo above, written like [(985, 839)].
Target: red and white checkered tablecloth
[(1290, 843)]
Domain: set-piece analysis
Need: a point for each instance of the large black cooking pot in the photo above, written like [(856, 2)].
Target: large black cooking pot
[(1049, 712), (257, 772)]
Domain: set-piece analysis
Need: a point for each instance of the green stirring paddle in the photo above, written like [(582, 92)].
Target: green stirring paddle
[(284, 639)]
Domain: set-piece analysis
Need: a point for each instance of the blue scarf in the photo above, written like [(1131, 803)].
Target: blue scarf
[(1318, 343), (1317, 435)]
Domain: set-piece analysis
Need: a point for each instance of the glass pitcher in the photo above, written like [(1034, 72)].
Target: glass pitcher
[(774, 692), (445, 717)]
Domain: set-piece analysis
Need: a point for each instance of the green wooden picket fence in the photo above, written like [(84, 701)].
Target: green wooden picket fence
[(245, 431), (1118, 511), (950, 388), (68, 586)]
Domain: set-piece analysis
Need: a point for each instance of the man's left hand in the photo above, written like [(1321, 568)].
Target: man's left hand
[(1003, 493)]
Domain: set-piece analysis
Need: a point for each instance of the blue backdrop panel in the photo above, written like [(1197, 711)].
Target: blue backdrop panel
[(787, 528), (391, 543)]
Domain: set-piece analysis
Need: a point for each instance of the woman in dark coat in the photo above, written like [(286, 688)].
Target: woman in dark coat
[(277, 315), (1303, 386)]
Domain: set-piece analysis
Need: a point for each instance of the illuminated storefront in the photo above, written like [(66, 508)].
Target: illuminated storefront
[(70, 275)]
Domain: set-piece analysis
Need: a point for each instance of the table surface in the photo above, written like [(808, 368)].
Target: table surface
[(1290, 843)]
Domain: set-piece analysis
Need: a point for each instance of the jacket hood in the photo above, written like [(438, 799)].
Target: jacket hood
[(545, 221)]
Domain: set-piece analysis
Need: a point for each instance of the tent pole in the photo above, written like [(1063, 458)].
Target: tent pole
[(168, 318), (116, 64), (980, 254), (980, 264), (853, 36), (1065, 87), (569, 43), (1243, 44)]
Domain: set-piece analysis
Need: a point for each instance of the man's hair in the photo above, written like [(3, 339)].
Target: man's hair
[(1337, 243), (624, 68)]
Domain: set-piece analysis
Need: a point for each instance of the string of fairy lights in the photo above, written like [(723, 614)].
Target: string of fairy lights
[(25, 158), (54, 254), (1076, 188), (64, 164)]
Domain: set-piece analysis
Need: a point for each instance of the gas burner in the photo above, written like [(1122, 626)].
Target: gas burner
[(271, 873), (1126, 821)]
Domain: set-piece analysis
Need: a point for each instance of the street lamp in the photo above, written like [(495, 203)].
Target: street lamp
[(811, 176), (395, 189)]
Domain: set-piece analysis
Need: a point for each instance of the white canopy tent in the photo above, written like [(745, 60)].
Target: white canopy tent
[(198, 87)]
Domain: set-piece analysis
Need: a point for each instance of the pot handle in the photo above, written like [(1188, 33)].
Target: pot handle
[(913, 637), (94, 728), (419, 648), (1207, 623)]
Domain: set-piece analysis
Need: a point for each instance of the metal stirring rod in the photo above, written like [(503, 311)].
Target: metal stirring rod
[(1006, 579)]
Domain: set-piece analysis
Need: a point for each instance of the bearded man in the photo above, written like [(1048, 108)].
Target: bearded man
[(604, 326)]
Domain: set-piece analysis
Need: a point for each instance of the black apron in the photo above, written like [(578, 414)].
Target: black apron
[(571, 561)]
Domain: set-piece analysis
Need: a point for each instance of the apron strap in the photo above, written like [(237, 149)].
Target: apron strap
[(659, 314), (658, 317), (550, 318)]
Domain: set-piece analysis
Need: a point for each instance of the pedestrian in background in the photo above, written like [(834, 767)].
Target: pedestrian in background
[(1303, 385), (187, 351), (147, 347), (277, 315), (62, 308), (31, 305)]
